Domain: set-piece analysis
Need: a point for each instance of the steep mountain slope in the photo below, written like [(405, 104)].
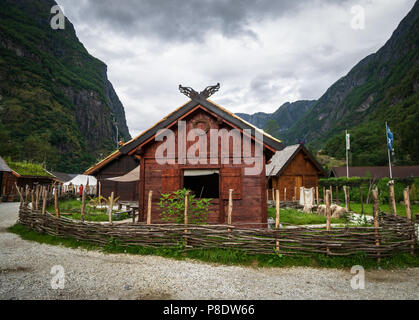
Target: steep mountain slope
[(382, 87), (285, 116), (56, 102)]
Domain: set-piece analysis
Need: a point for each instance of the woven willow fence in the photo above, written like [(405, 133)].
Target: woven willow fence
[(395, 234)]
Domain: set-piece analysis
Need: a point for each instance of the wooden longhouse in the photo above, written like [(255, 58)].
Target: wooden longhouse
[(292, 168), (205, 179)]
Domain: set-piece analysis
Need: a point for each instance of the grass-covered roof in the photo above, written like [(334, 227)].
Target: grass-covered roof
[(28, 169)]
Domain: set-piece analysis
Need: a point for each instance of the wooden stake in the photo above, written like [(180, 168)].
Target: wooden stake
[(100, 189), (317, 195), (273, 194), (44, 199), (346, 197), (37, 197), (230, 208), (111, 208), (376, 223), (295, 194), (324, 195), (83, 204), (349, 198), (32, 201), (277, 208), (20, 195), (57, 207), (328, 215), (391, 197), (267, 195), (150, 199), (406, 196), (285, 194)]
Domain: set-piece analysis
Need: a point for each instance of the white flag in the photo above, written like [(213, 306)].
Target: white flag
[(348, 142)]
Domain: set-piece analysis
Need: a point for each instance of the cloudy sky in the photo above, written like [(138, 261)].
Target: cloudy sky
[(263, 52)]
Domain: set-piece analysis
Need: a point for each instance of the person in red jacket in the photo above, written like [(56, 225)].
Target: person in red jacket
[(81, 190)]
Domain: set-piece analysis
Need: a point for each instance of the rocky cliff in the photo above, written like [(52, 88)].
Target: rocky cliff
[(56, 102)]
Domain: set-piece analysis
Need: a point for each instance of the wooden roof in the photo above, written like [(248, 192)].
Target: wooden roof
[(270, 142), (282, 158)]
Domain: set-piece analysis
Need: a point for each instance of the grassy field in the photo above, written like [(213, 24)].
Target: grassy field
[(73, 207), (296, 217), (401, 210), (227, 257)]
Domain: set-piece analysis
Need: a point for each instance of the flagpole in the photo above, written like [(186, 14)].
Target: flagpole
[(388, 152), (347, 163)]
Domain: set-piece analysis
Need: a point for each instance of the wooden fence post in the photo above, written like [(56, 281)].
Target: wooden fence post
[(273, 194), (324, 195), (285, 194), (328, 214), (317, 195), (295, 194), (111, 208), (267, 195), (406, 197), (391, 197), (26, 196), (20, 195), (277, 208), (37, 197), (57, 205), (100, 189), (230, 209), (44, 199), (83, 204), (349, 198), (186, 220), (345, 192), (32, 201), (376, 223), (149, 203)]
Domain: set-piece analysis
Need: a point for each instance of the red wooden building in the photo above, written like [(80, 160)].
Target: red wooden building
[(205, 178), (292, 168)]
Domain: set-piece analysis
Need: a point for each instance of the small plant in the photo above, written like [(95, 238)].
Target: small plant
[(96, 201), (173, 207)]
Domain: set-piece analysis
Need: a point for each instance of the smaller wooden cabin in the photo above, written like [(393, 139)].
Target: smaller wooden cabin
[(4, 170), (23, 174), (292, 168)]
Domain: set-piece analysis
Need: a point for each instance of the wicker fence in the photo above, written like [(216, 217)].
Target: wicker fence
[(395, 234)]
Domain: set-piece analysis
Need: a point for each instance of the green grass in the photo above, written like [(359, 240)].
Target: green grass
[(401, 210), (296, 217), (73, 206), (227, 257)]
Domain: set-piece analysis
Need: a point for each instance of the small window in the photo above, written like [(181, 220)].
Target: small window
[(203, 183)]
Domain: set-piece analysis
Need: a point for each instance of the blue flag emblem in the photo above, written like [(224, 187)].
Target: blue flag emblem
[(390, 138)]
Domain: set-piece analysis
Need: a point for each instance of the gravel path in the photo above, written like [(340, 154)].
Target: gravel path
[(25, 268)]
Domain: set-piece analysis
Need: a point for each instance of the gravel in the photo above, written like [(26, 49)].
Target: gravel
[(25, 273)]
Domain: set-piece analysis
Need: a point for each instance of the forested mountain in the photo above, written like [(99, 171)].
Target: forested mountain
[(283, 118), (383, 87), (57, 105)]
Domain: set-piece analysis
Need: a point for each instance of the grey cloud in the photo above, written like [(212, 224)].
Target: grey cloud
[(176, 20)]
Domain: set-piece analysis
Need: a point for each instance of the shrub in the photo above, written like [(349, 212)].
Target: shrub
[(173, 207)]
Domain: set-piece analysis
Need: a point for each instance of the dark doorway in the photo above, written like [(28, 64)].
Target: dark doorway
[(203, 186)]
